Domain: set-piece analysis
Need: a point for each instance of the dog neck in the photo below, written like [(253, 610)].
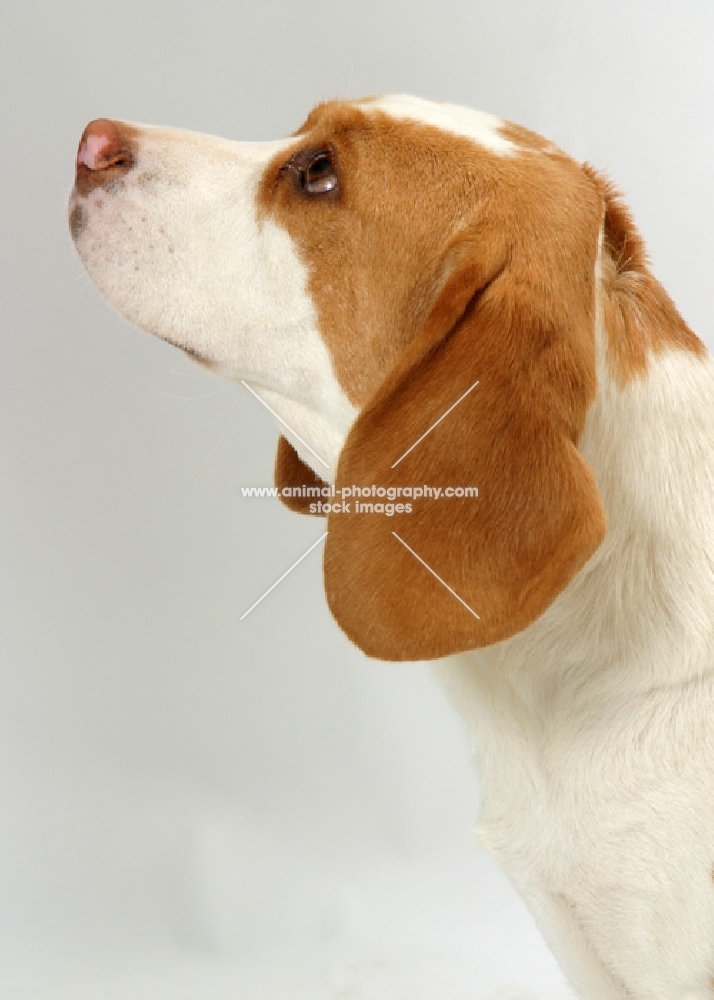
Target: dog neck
[(639, 616)]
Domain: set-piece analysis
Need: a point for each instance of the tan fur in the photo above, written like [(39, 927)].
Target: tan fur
[(639, 316), (436, 261), (291, 471), (490, 277)]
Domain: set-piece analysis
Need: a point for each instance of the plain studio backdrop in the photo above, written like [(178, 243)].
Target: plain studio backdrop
[(193, 806)]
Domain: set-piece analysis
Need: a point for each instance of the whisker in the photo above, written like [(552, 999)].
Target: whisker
[(219, 439), (204, 395)]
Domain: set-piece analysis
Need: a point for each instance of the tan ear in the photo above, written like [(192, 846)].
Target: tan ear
[(291, 472), (523, 329)]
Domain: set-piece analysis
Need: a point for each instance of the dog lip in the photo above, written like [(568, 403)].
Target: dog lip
[(191, 352)]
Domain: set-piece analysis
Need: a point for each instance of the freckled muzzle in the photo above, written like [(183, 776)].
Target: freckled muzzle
[(105, 155)]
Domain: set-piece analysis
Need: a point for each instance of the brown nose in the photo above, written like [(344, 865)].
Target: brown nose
[(105, 154)]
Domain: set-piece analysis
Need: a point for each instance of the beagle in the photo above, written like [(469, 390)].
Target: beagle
[(426, 295)]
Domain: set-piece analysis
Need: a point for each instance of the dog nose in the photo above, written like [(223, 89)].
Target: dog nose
[(104, 155)]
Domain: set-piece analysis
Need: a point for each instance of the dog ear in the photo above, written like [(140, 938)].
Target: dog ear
[(492, 393), (291, 471)]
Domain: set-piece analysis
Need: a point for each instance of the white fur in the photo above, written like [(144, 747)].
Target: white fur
[(178, 249), (593, 729), (477, 125)]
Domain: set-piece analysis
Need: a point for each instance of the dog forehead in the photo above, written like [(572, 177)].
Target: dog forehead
[(481, 127), (390, 147), (486, 130)]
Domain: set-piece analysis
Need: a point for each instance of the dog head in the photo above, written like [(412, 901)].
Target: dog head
[(411, 286)]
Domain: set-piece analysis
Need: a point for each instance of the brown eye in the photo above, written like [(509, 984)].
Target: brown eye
[(319, 176)]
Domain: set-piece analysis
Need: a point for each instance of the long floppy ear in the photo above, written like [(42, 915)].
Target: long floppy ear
[(293, 479), (522, 327)]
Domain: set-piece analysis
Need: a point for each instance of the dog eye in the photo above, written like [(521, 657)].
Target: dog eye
[(319, 176)]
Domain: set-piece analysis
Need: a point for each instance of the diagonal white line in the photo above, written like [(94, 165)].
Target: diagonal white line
[(434, 425), (435, 574), (314, 545), (260, 400)]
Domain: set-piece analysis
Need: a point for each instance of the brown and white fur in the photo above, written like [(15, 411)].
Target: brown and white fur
[(360, 276)]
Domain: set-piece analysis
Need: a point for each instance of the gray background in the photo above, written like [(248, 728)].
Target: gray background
[(191, 806)]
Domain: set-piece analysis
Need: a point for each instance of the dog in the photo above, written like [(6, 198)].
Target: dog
[(431, 298)]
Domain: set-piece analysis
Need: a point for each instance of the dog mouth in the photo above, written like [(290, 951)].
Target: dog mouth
[(192, 354), (79, 219)]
